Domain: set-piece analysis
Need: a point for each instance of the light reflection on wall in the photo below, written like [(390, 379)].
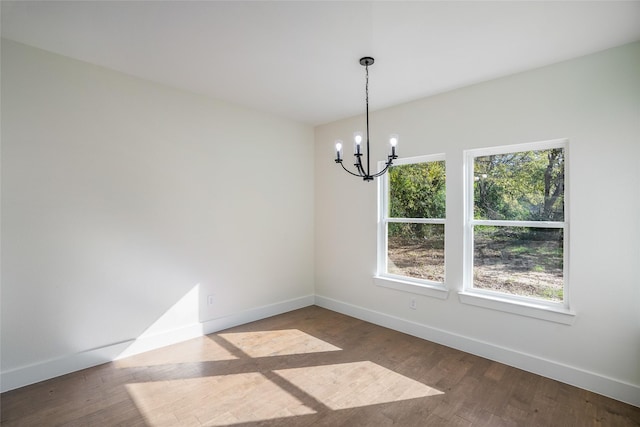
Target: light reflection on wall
[(180, 322)]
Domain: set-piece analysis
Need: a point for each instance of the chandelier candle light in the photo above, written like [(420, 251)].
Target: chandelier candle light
[(357, 140)]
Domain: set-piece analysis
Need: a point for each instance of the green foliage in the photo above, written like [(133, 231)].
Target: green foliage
[(526, 186), (417, 191)]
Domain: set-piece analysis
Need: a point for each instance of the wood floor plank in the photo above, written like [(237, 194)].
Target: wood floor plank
[(309, 367)]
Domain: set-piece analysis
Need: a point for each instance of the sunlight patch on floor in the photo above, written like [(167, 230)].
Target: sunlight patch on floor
[(192, 351), (214, 401), (277, 343), (351, 385)]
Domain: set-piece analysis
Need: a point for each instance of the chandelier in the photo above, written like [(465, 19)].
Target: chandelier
[(361, 172)]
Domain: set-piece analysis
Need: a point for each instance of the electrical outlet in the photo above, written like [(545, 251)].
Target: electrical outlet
[(210, 300), (412, 304)]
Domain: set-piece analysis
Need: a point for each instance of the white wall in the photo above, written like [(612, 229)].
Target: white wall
[(126, 203), (595, 102)]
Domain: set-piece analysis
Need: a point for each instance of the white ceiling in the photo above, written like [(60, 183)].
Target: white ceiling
[(300, 59)]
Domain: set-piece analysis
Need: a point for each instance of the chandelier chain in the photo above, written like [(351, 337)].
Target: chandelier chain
[(366, 89)]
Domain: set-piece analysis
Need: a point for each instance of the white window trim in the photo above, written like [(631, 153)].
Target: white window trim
[(393, 281), (530, 307), (407, 284), (511, 304)]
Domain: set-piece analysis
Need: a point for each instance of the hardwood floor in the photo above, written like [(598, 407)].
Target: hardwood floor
[(308, 367)]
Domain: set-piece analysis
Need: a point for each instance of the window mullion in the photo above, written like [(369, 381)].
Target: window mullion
[(512, 223), (417, 220)]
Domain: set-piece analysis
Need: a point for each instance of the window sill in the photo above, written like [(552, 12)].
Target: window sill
[(528, 309), (435, 290)]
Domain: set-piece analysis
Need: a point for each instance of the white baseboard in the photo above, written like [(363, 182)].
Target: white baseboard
[(619, 390), (253, 314), (30, 374)]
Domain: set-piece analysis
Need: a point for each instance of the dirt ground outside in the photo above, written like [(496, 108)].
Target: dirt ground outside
[(531, 270)]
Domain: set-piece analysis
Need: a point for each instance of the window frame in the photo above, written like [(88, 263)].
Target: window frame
[(394, 281), (527, 306)]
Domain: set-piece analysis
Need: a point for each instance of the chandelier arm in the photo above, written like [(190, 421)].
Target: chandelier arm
[(386, 167), (354, 174), (358, 165)]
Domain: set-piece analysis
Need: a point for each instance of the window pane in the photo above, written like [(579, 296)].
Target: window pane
[(416, 250), (417, 190), (524, 186), (519, 261)]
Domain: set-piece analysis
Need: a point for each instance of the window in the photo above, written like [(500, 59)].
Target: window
[(517, 231), (412, 223)]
